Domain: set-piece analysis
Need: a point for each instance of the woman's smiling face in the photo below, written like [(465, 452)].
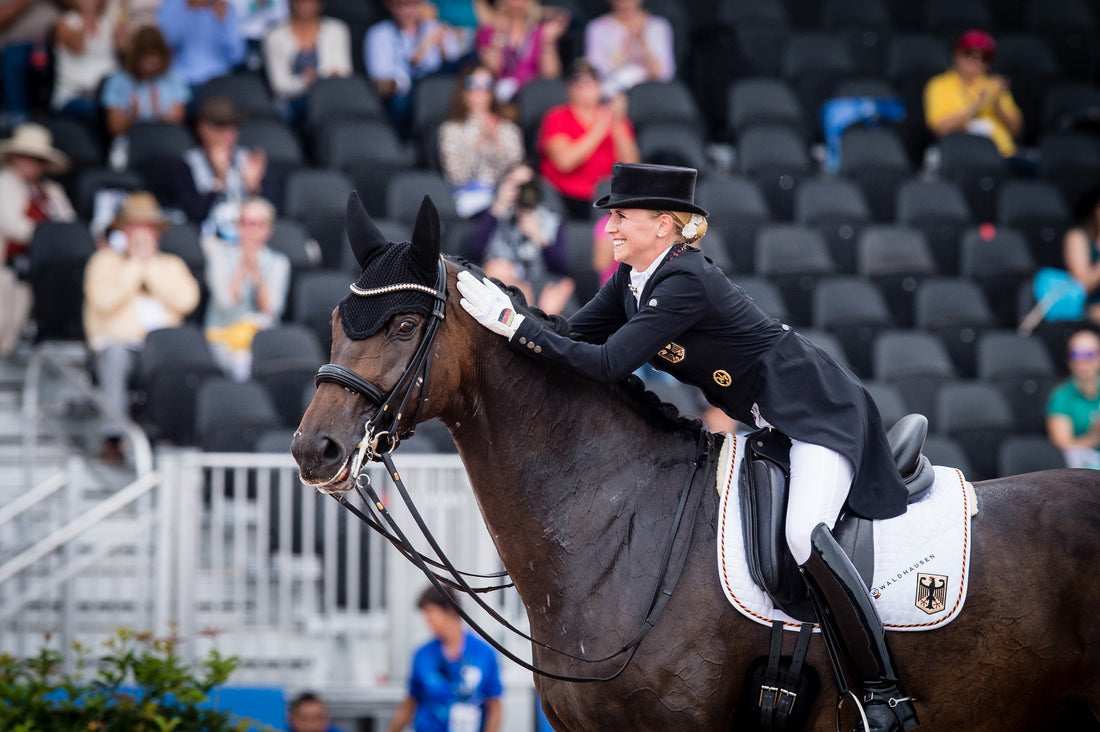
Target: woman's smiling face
[(637, 235)]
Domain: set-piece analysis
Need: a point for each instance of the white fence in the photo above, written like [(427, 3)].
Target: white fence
[(232, 551)]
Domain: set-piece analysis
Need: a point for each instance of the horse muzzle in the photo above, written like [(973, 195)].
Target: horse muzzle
[(322, 462)]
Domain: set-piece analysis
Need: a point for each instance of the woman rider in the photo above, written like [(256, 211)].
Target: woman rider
[(672, 307)]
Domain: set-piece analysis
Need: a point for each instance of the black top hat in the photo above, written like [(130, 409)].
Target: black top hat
[(653, 187)]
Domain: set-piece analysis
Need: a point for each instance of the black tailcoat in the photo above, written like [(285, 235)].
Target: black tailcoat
[(703, 329)]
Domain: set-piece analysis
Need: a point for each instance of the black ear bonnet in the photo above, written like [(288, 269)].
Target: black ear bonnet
[(397, 277)]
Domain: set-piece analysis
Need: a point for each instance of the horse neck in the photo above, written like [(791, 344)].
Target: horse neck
[(563, 467)]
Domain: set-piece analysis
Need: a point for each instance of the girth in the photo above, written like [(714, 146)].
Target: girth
[(765, 482)]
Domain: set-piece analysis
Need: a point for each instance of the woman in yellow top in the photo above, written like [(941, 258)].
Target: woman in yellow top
[(967, 98)]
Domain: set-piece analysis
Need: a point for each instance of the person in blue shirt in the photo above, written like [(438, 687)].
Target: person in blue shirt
[(204, 36), (454, 685)]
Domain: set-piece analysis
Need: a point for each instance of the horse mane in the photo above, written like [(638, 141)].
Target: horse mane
[(666, 414)]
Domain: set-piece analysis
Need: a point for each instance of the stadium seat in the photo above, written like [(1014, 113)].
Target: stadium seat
[(737, 210), (174, 364), (794, 257), (284, 359), (1068, 105), (1019, 454), (836, 208), (663, 102), (1037, 210), (1024, 372), (669, 143), (939, 209), (58, 252), (407, 190), (342, 97), (975, 165), (813, 64), (954, 309), (765, 294), (941, 450), (776, 159), (998, 260), (91, 181), (911, 60), (763, 101), (915, 363), (316, 294), (276, 138), (951, 18), (533, 100), (1027, 61), (340, 142), (317, 198), (827, 342), (891, 405), (976, 416), (248, 91), (1069, 27), (1071, 161), (231, 416), (853, 310), (896, 259), (876, 161), (155, 147), (865, 25)]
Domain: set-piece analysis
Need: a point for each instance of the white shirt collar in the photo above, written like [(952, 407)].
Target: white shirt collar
[(638, 279)]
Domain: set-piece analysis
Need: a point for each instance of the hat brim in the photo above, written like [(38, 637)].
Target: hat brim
[(651, 203), (55, 160)]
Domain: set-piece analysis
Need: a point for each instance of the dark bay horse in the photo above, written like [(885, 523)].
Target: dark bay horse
[(578, 481)]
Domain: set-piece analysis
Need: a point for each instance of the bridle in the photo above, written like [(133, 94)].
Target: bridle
[(381, 437), (381, 433)]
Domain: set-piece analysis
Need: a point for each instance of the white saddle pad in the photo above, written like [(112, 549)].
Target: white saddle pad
[(921, 557)]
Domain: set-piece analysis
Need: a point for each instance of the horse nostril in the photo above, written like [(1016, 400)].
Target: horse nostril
[(332, 451)]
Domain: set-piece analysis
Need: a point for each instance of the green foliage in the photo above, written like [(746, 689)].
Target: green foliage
[(36, 695)]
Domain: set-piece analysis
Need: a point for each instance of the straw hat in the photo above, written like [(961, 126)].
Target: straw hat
[(35, 141), (140, 207)]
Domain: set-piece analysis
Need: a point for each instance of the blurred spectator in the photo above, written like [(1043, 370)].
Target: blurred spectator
[(603, 250), (967, 98), (257, 19), (87, 42), (405, 48), (309, 713), (145, 88), (213, 179), (248, 284), (455, 682), (519, 42), (522, 243), (1073, 410), (629, 45), (130, 289), (29, 198), (1081, 252), (476, 145), (465, 16), (204, 35), (580, 140), (15, 309), (24, 27), (302, 50)]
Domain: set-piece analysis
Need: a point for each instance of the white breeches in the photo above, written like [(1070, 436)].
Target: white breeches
[(820, 481)]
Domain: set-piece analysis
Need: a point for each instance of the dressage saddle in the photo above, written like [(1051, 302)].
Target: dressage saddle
[(764, 479)]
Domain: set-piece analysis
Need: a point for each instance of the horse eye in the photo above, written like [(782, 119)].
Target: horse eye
[(406, 327)]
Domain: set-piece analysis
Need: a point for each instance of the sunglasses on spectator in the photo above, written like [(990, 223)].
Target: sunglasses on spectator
[(977, 53), (254, 222), (1082, 355), (479, 82)]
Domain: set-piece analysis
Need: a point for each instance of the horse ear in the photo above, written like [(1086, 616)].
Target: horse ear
[(364, 236), (425, 238)]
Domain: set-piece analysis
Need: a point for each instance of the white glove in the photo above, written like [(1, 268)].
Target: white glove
[(488, 305)]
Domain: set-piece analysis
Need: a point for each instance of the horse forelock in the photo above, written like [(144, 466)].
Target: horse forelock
[(663, 414)]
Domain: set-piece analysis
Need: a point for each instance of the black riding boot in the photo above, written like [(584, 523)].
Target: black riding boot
[(851, 619)]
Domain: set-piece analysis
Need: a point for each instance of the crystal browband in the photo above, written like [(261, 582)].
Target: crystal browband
[(392, 288)]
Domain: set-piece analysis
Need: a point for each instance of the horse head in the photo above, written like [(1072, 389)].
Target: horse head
[(374, 387)]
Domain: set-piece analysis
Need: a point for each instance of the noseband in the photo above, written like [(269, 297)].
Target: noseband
[(381, 433)]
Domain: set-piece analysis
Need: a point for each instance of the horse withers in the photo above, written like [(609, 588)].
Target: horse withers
[(578, 483)]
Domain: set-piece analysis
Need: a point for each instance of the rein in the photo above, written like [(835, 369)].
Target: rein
[(381, 437)]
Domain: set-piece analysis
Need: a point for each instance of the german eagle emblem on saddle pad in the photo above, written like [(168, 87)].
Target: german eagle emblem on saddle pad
[(922, 558)]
